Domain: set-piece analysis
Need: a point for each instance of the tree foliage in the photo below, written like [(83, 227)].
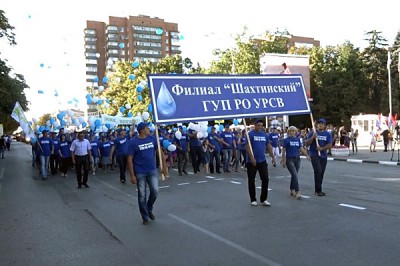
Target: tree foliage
[(11, 85)]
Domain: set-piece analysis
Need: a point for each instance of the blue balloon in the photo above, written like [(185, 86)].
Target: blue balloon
[(121, 45), (159, 31), (105, 79), (208, 130), (99, 102), (107, 101), (139, 89), (108, 126), (41, 128), (221, 128), (56, 94), (135, 64), (62, 123), (41, 65), (33, 140), (59, 116), (131, 77), (52, 120), (84, 124), (150, 108), (235, 122), (166, 143), (97, 122), (75, 100), (140, 98), (69, 102), (89, 101), (130, 114), (122, 109), (40, 91), (96, 79)]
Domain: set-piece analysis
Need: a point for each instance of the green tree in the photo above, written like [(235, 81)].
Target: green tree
[(127, 89), (43, 119), (394, 70), (11, 87)]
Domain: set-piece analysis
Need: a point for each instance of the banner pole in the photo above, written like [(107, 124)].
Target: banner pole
[(160, 157), (314, 129), (248, 137)]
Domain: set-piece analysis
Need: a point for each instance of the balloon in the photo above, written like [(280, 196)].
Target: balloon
[(114, 101), (122, 109), (97, 122), (97, 55), (41, 65), (221, 128), (89, 101), (172, 147), (130, 114), (121, 45), (131, 77), (101, 88), (40, 91), (34, 120), (59, 116), (166, 143), (145, 115), (235, 122), (199, 135), (209, 130), (239, 120), (52, 120), (48, 123), (128, 106), (140, 98), (56, 94), (108, 126), (99, 102), (69, 102), (135, 64), (159, 31), (84, 124), (105, 80), (118, 80), (150, 108), (96, 79), (178, 135), (75, 100), (106, 105), (139, 89), (33, 140), (181, 37)]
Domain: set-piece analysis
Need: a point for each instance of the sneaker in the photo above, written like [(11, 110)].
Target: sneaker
[(320, 194), (145, 222), (94, 173), (62, 174), (151, 216), (254, 203), (122, 181), (266, 203)]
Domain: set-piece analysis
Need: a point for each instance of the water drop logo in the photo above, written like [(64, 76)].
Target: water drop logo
[(165, 103)]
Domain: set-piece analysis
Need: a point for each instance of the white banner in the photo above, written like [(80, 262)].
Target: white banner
[(120, 120)]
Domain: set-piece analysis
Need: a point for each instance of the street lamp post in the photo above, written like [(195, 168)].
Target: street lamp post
[(390, 82)]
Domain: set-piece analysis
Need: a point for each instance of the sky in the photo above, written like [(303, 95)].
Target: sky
[(50, 33)]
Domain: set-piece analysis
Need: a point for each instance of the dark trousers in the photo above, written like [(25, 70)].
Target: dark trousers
[(262, 169), (54, 163), (82, 162), (215, 155), (197, 156), (319, 165), (183, 158), (122, 161), (65, 162)]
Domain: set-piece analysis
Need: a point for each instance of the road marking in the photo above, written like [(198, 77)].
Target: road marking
[(183, 184), (219, 179), (115, 188), (306, 197), (280, 176), (204, 181), (164, 187), (2, 173), (235, 182), (352, 206), (208, 176), (268, 188), (227, 242)]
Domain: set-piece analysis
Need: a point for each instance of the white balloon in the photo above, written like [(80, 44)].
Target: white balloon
[(101, 88), (70, 113), (34, 120), (239, 120), (190, 126), (196, 128), (172, 147), (118, 80), (114, 101), (128, 106), (178, 135), (205, 134), (145, 115), (199, 135), (106, 105)]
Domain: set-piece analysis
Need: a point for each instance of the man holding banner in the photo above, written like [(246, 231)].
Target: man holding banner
[(256, 160)]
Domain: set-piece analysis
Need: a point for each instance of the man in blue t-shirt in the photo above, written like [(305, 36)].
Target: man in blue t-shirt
[(213, 141), (256, 146), (320, 142), (121, 151), (183, 153), (196, 152), (55, 156), (227, 146), (143, 170), (45, 144)]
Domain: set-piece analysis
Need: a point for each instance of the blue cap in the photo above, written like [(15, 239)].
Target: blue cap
[(321, 120), (141, 126)]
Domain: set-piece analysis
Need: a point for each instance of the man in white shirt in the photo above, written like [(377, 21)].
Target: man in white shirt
[(81, 156)]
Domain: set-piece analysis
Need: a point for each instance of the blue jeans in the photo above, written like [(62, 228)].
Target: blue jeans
[(44, 164), (146, 206), (227, 156), (293, 165), (2, 149)]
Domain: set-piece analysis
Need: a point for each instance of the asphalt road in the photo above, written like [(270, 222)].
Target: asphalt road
[(200, 219)]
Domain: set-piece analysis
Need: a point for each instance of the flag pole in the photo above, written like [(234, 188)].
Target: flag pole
[(160, 157), (314, 129), (248, 137)]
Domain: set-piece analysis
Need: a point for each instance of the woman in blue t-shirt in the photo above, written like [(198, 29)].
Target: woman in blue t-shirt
[(65, 155), (291, 149)]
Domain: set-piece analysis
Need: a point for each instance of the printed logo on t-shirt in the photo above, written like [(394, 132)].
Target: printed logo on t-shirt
[(294, 143), (322, 138), (259, 138), (146, 146)]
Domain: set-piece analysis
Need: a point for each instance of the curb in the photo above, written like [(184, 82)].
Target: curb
[(360, 161)]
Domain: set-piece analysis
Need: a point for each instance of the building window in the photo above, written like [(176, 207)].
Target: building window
[(121, 29)]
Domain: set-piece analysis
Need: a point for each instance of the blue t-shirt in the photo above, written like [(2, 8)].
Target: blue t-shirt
[(45, 144), (259, 142), (95, 148), (194, 141), (242, 145), (56, 146), (292, 146), (143, 152), (64, 149), (324, 138), (213, 141), (121, 146), (182, 142), (274, 139), (105, 148), (228, 138)]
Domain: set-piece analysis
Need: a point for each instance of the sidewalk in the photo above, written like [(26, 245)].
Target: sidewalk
[(365, 156)]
